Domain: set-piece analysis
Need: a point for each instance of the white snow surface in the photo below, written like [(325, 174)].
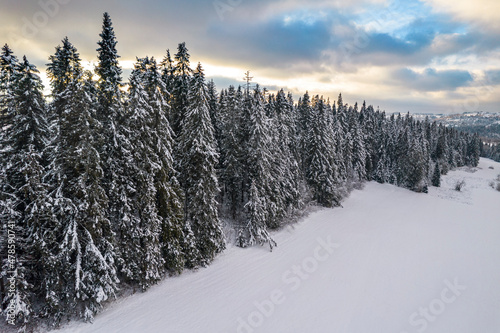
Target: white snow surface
[(397, 262)]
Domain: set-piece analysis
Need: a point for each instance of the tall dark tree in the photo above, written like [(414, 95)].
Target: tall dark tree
[(140, 236), (176, 243), (180, 88), (86, 254), (231, 144), (109, 112), (322, 174), (8, 68), (22, 188), (198, 144), (436, 175)]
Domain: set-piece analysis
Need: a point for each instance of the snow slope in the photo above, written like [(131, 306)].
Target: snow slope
[(390, 261)]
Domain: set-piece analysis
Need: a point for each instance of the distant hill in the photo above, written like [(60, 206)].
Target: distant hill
[(486, 124)]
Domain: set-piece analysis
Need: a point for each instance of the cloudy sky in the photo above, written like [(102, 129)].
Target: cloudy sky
[(440, 56)]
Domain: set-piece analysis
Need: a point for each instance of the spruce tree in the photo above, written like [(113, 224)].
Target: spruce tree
[(182, 73), (85, 257), (87, 233), (8, 68), (285, 166), (22, 188), (176, 246), (436, 176), (256, 220), (109, 112), (140, 237), (231, 144), (197, 141), (259, 156), (322, 174)]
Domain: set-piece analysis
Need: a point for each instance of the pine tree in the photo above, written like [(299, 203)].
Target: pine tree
[(109, 112), (359, 154), (259, 157), (167, 72), (23, 189), (140, 238), (256, 225), (322, 174), (285, 167), (436, 176), (176, 247), (180, 88), (8, 68), (304, 122), (197, 141), (231, 144), (85, 258), (63, 64)]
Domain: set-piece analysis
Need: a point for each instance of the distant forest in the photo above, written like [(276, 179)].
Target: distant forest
[(104, 189)]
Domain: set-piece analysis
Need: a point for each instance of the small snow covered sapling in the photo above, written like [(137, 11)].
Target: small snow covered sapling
[(459, 185)]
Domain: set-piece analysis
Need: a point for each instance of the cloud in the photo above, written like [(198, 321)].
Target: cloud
[(364, 48), (433, 80), (492, 76), (481, 13)]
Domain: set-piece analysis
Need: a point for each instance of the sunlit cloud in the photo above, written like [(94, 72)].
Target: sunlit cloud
[(417, 56)]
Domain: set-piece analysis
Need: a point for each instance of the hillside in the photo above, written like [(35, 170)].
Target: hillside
[(391, 260), (486, 124)]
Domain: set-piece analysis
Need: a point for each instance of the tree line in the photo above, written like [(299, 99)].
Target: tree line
[(103, 189)]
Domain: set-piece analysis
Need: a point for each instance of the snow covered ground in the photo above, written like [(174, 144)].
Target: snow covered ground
[(390, 261)]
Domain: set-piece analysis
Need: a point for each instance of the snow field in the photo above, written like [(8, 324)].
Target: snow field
[(390, 261)]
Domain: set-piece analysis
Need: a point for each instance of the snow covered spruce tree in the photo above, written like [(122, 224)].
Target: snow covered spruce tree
[(436, 175), (22, 189), (182, 74), (321, 173), (167, 71), (176, 236), (8, 67), (256, 221), (199, 180), (259, 169), (109, 113), (83, 273), (285, 190), (140, 234), (304, 122), (231, 144)]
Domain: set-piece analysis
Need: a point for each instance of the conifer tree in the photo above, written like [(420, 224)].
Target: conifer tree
[(256, 223), (8, 68), (85, 258), (87, 250), (200, 183), (109, 112), (285, 166), (321, 174), (231, 111), (22, 187), (259, 156), (180, 88), (436, 176), (359, 154), (167, 72), (176, 245), (140, 237), (304, 120)]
